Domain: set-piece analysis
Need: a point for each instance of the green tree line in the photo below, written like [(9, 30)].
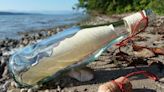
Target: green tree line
[(120, 6)]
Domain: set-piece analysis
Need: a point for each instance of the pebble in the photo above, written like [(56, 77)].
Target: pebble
[(58, 88), (3, 61), (25, 41), (144, 53), (30, 90), (14, 90), (49, 32), (76, 90), (46, 90), (13, 84), (57, 30), (5, 73), (23, 90), (82, 75)]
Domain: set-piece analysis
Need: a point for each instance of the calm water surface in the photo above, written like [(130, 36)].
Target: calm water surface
[(10, 25)]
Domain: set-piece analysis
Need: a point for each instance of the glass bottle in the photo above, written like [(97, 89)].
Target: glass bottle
[(70, 49)]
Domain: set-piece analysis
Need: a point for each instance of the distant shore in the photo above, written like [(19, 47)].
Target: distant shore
[(14, 13)]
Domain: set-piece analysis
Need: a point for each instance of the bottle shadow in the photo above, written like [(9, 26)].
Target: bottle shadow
[(102, 76)]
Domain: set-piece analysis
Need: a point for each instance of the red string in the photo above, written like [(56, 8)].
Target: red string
[(124, 42), (145, 73), (134, 31)]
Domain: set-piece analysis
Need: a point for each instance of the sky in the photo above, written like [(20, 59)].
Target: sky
[(37, 5)]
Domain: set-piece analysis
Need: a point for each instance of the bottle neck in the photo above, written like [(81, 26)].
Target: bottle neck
[(115, 24), (139, 20)]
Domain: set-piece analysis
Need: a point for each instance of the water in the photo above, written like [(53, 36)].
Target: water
[(10, 25)]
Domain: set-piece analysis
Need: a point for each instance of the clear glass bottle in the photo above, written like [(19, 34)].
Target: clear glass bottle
[(73, 48)]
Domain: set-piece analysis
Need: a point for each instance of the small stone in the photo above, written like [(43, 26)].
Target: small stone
[(57, 30), (82, 75), (23, 90), (146, 53), (25, 41), (37, 87), (3, 61), (14, 90), (5, 73), (49, 32), (46, 90), (21, 46), (13, 84), (16, 85), (30, 90), (58, 88)]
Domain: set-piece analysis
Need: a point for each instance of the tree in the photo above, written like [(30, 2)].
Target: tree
[(120, 6)]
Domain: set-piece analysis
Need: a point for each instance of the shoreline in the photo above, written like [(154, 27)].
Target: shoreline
[(8, 45)]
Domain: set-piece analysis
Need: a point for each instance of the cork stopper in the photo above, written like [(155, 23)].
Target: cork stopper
[(132, 21)]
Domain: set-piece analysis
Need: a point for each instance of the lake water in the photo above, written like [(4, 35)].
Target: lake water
[(10, 25)]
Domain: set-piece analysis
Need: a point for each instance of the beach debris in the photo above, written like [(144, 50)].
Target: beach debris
[(155, 50), (144, 53), (158, 51), (138, 47), (141, 55)]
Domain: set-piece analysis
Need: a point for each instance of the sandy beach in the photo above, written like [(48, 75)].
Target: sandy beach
[(104, 68)]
